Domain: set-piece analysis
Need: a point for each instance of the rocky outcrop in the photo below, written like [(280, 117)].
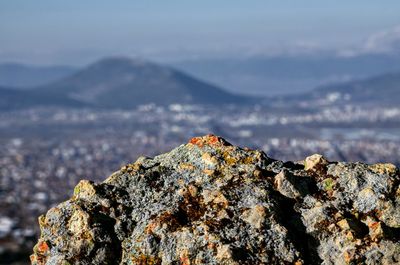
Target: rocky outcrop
[(209, 202)]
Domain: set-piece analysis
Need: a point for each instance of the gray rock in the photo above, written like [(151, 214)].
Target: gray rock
[(208, 202)]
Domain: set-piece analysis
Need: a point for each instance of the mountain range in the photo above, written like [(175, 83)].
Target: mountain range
[(21, 76), (120, 83), (11, 98), (280, 75), (383, 90)]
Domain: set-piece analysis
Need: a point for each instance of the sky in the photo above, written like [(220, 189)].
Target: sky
[(77, 32)]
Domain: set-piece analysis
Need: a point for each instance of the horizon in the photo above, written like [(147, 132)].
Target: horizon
[(77, 33)]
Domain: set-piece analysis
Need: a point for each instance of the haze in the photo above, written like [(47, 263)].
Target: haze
[(78, 32)]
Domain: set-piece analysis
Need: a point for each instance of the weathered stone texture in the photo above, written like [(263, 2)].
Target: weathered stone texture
[(208, 202)]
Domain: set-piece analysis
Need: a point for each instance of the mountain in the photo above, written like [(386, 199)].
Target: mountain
[(11, 98), (119, 83), (25, 76), (210, 202), (126, 83), (279, 75), (379, 90)]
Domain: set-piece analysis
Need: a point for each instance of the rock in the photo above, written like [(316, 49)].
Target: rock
[(375, 228), (209, 202), (344, 224), (291, 186), (255, 216), (366, 200), (386, 168), (314, 162), (224, 254)]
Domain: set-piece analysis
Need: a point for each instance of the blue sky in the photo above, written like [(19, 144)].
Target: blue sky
[(77, 31)]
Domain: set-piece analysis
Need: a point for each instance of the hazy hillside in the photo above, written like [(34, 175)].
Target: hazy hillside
[(11, 98), (288, 74), (125, 83), (26, 76), (122, 83), (379, 90)]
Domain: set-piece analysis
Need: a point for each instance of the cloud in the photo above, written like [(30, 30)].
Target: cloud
[(386, 41), (382, 42)]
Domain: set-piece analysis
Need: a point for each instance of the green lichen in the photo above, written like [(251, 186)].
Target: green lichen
[(77, 190), (328, 184)]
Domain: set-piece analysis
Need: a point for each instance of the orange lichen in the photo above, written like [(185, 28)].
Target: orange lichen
[(195, 141), (376, 231), (150, 227), (40, 260), (348, 256), (33, 258), (184, 259), (43, 247), (210, 140), (211, 245), (373, 225)]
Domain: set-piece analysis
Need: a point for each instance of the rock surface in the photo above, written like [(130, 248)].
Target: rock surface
[(209, 202)]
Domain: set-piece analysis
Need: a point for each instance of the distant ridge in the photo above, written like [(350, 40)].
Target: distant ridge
[(24, 76), (121, 82), (11, 99), (288, 74), (382, 89), (124, 83)]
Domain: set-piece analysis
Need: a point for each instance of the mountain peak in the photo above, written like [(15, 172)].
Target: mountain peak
[(121, 82)]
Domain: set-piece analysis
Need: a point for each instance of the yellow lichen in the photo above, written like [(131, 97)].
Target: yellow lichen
[(384, 168), (145, 260), (84, 189), (209, 160), (185, 166)]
